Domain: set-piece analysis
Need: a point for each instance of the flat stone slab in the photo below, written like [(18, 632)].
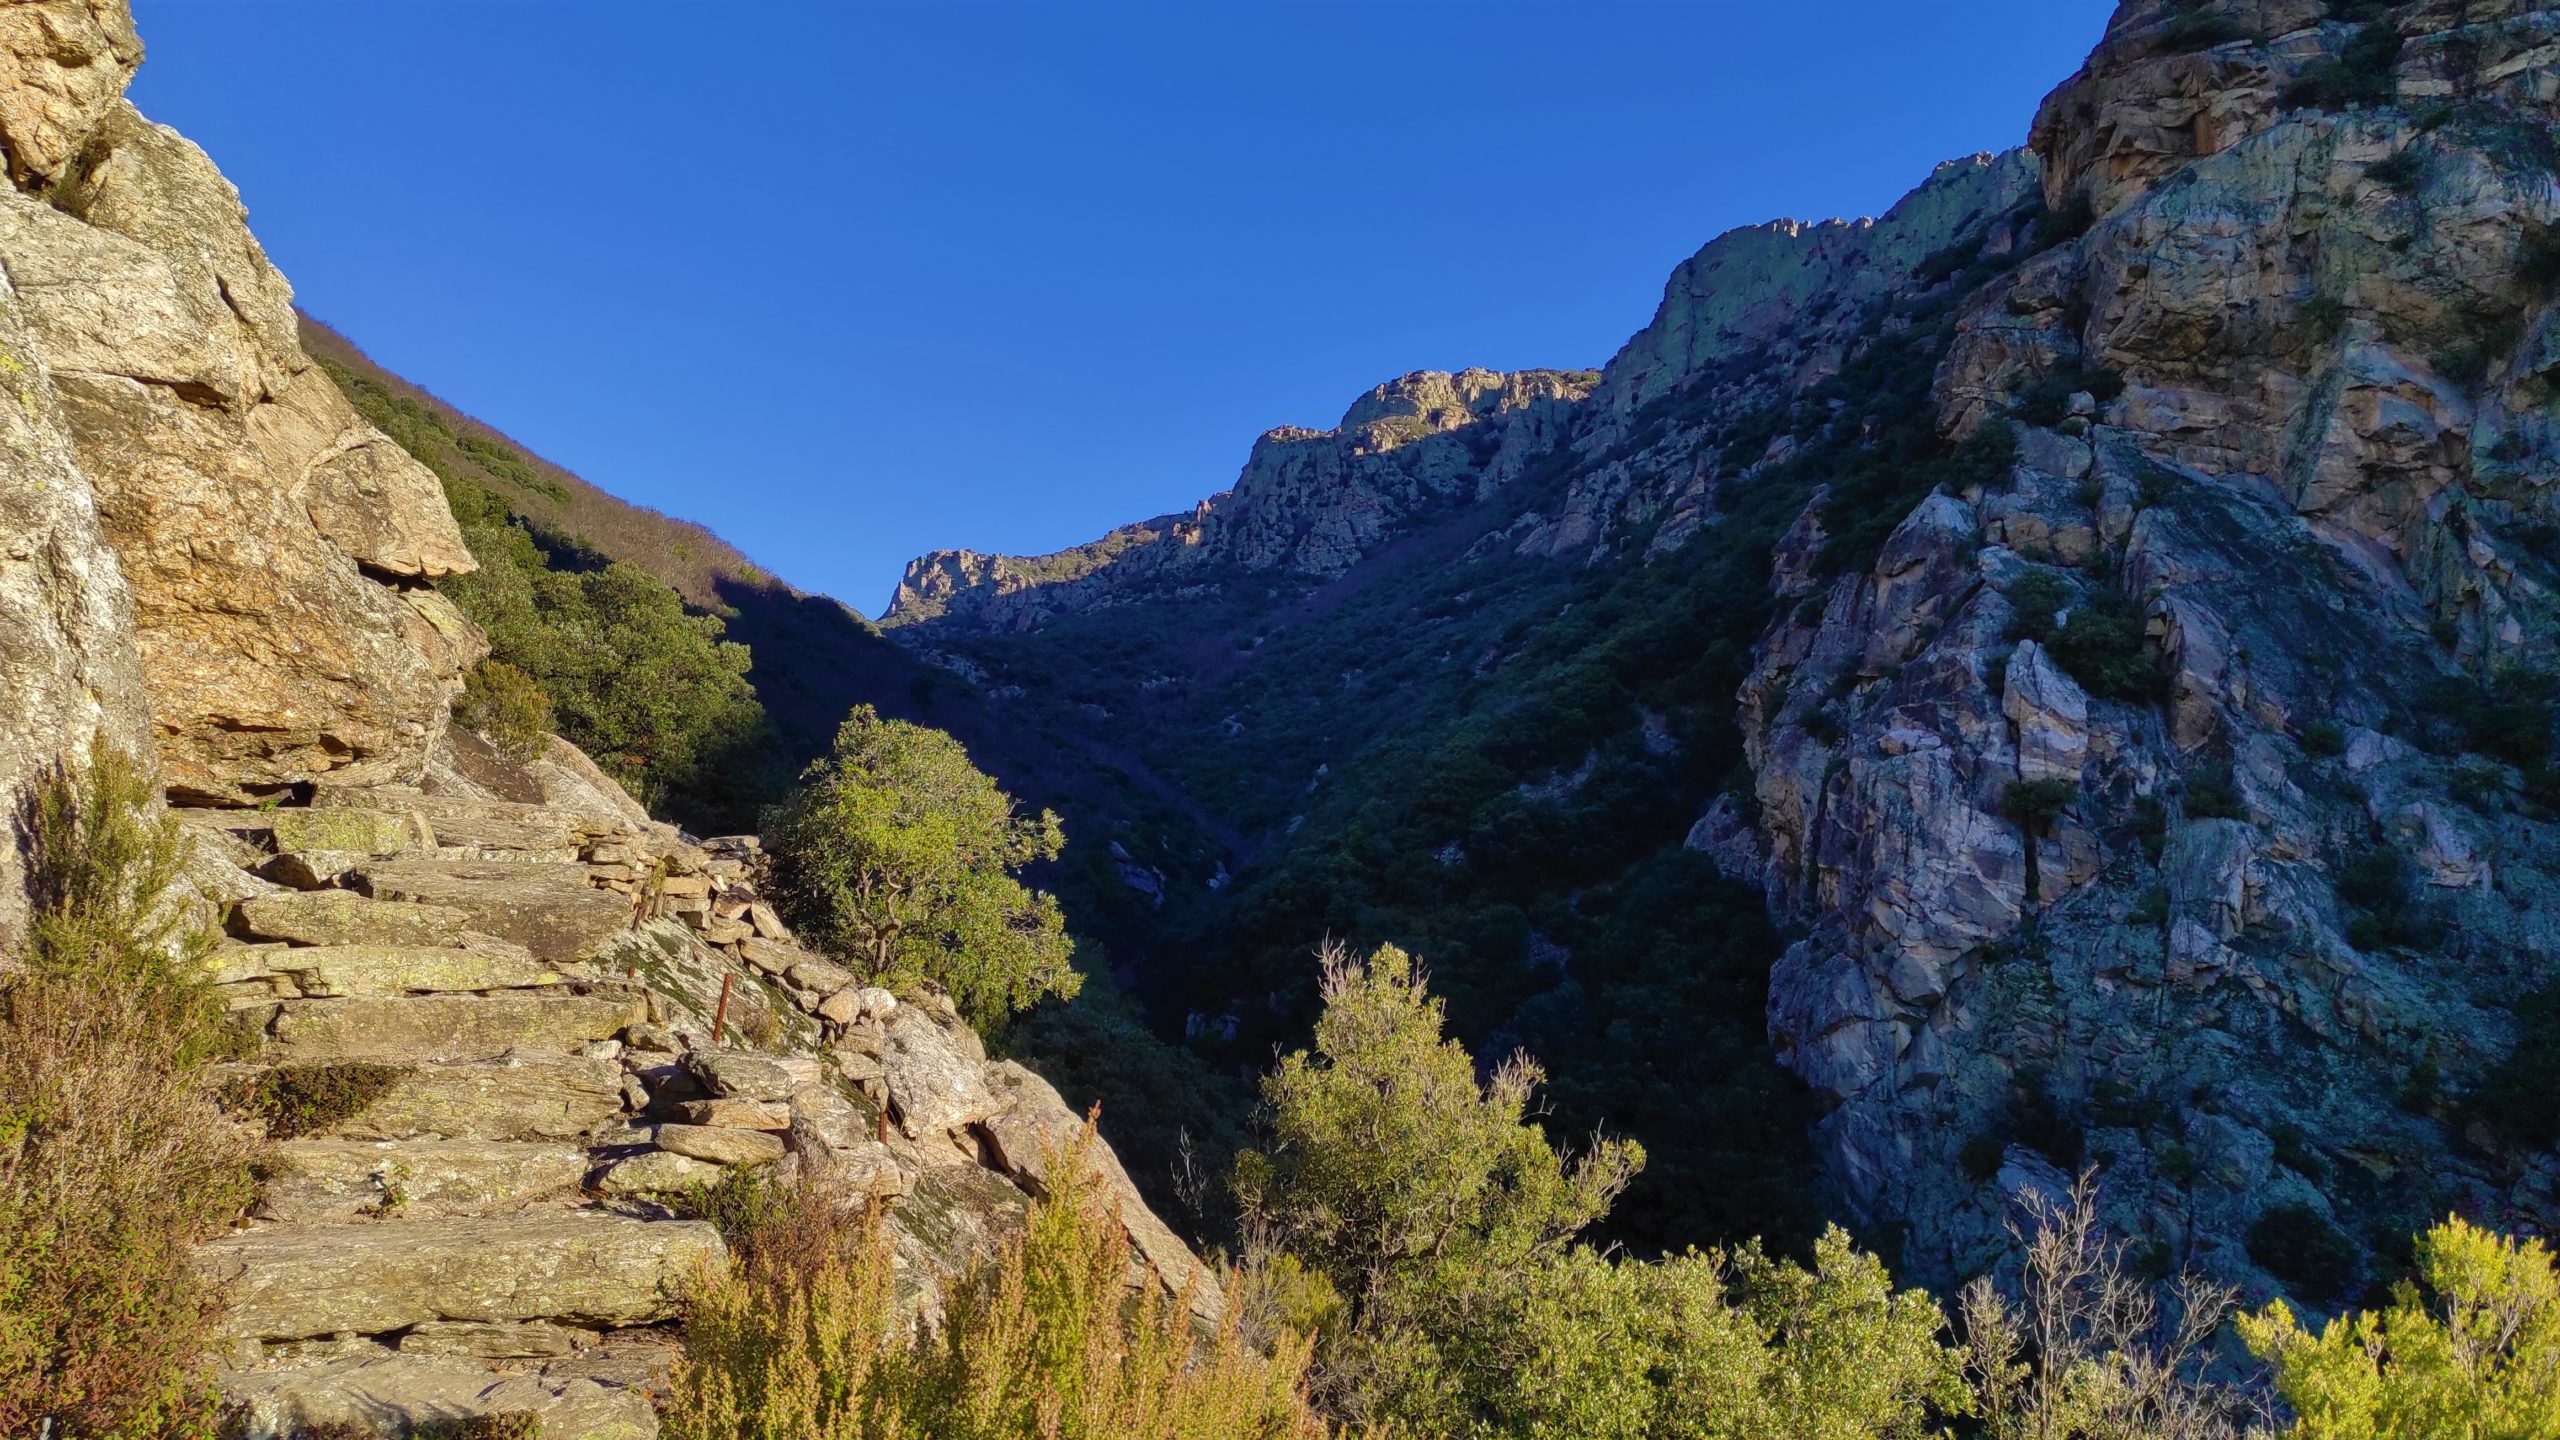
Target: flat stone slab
[(737, 1075), (295, 1282), (527, 1097), (721, 1144), (447, 1028), (390, 1395), (657, 1172), (326, 971), (550, 909), (336, 1181), (343, 917), (361, 832)]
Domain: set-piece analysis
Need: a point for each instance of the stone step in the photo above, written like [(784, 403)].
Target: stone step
[(319, 1182), (550, 909), (373, 1391), (524, 1097), (447, 1028), (343, 917), (294, 1282), (326, 971)]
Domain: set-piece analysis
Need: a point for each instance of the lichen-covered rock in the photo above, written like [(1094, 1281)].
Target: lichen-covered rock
[(267, 539), (288, 1284)]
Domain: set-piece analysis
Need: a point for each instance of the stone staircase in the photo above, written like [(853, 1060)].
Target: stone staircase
[(498, 1027)]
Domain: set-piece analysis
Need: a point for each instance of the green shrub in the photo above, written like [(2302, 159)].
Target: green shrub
[(2101, 645), (2469, 1350), (2401, 171), (298, 1100), (2324, 318), (2507, 717), (2515, 1098), (899, 856), (113, 1162), (2212, 794), (2035, 804), (2297, 1245), (2197, 26), (2324, 738), (2361, 75), (507, 708)]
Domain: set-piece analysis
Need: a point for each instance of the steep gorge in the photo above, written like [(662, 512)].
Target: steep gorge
[(2100, 610)]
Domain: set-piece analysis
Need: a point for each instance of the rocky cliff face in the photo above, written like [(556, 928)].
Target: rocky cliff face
[(2170, 790), (573, 1013), (1310, 503), (2306, 471), (276, 550)]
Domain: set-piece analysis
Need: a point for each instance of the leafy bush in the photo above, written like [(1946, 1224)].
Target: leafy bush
[(2297, 1245), (507, 708), (2514, 1099), (2468, 1350), (2198, 26), (298, 1100), (2400, 171), (2102, 647), (2361, 75), (2507, 717), (899, 856), (1446, 1222), (112, 1159), (1045, 1342), (2324, 738), (2212, 794), (2034, 804)]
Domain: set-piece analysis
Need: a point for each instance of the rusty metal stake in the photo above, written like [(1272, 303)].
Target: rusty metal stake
[(720, 1017)]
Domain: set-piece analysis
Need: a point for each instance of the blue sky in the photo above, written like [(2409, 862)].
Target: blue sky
[(848, 282)]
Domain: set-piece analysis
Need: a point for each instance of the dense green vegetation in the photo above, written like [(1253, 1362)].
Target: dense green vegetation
[(604, 649), (112, 1159), (898, 855)]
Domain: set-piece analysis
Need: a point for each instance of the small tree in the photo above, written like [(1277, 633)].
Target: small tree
[(2476, 1352), (899, 855)]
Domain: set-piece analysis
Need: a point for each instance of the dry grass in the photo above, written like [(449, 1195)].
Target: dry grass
[(113, 1158)]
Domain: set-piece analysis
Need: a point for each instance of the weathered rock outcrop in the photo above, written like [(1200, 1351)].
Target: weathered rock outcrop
[(1310, 503), (577, 1019), (275, 551), (2318, 497)]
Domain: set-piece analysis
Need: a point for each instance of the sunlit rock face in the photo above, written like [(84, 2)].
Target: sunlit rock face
[(276, 553)]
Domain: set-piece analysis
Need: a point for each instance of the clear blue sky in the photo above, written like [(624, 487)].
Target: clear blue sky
[(848, 282)]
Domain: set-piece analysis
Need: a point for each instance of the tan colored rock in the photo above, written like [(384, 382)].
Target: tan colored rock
[(334, 971), (742, 1114), (721, 1144), (738, 1075), (374, 1392), (63, 66), (658, 1172), (335, 1181), (548, 909), (522, 1340), (68, 664), (343, 917), (447, 1028), (820, 976), (294, 1282), (2051, 714), (935, 1083)]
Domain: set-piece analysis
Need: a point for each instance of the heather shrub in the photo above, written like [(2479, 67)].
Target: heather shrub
[(1045, 1342), (113, 1159), (507, 707)]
